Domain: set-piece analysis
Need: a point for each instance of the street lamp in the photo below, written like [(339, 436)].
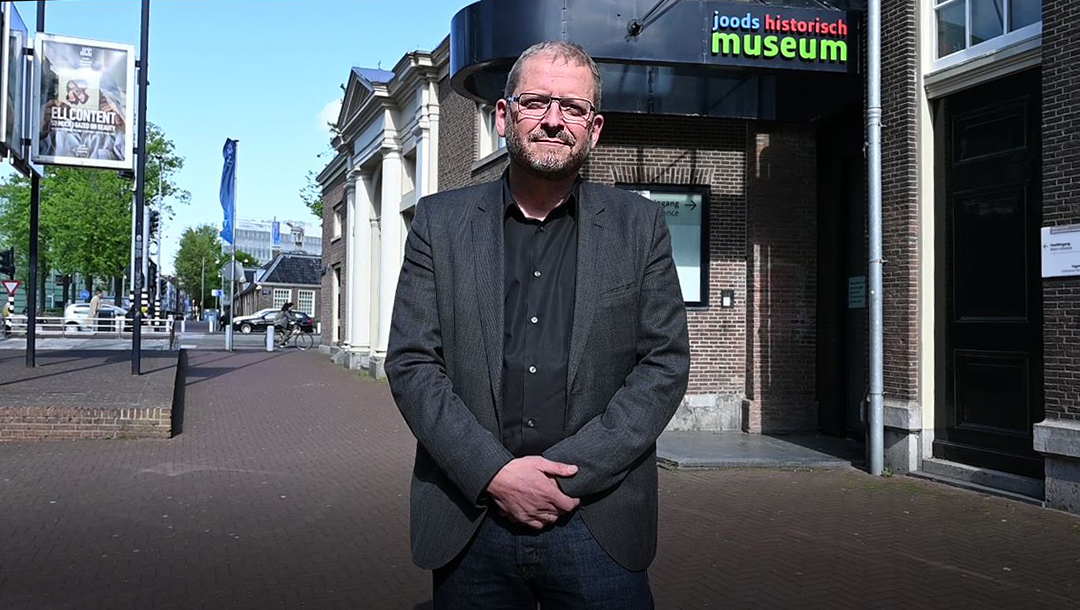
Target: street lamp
[(202, 290)]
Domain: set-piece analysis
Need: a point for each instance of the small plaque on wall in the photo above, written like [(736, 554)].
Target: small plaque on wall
[(266, 292), (1061, 251), (856, 292)]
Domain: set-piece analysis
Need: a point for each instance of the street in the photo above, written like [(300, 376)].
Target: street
[(288, 488)]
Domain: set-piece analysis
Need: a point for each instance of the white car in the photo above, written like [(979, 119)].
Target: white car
[(77, 314)]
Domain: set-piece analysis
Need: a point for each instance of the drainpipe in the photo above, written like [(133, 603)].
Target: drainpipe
[(873, 136)]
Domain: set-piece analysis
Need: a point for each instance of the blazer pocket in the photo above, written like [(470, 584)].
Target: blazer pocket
[(620, 290)]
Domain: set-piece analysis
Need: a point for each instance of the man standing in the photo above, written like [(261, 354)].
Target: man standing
[(537, 350), (95, 310)]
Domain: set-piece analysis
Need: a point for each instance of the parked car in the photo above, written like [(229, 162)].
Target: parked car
[(77, 314), (256, 321), (303, 320)]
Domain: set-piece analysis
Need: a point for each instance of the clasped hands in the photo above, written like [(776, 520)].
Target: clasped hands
[(526, 492)]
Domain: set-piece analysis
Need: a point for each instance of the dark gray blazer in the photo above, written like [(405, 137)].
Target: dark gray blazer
[(628, 366)]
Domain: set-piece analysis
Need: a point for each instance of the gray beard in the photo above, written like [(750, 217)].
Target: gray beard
[(549, 166)]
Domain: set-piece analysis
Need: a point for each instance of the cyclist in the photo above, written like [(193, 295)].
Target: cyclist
[(283, 319)]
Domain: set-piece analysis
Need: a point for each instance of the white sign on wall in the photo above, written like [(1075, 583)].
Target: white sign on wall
[(683, 212), (1061, 251)]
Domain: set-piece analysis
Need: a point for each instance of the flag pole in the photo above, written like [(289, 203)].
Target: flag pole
[(232, 263)]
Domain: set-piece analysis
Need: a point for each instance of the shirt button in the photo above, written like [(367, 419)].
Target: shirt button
[(531, 423), (536, 274), (534, 319), (532, 369)]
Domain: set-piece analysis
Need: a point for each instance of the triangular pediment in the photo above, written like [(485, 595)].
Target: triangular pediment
[(360, 88)]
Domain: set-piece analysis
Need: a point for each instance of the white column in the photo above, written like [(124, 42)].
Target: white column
[(375, 252), (392, 237), (359, 298), (350, 253), (431, 141)]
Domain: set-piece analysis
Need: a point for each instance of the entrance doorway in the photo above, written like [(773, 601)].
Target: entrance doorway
[(988, 188)]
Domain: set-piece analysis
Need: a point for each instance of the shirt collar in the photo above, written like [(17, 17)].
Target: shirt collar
[(570, 206)]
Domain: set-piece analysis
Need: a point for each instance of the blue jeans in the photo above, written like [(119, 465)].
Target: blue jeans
[(562, 567)]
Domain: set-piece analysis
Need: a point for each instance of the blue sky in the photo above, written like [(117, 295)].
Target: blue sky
[(264, 72)]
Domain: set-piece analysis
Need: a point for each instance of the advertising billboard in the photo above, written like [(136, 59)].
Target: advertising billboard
[(83, 96), (13, 38)]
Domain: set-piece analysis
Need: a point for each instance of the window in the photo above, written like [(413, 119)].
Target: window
[(337, 221), (962, 24), (686, 211), (281, 296), (490, 141), (305, 302)]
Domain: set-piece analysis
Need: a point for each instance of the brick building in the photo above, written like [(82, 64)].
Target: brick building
[(290, 277), (761, 159), (980, 159)]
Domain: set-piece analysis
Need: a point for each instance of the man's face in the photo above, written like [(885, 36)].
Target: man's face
[(553, 145)]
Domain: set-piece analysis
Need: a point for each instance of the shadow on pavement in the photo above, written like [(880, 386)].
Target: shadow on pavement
[(842, 448)]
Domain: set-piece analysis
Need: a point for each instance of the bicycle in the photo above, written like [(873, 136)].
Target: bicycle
[(292, 333)]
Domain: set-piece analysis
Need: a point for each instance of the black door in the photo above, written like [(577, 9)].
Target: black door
[(988, 138)]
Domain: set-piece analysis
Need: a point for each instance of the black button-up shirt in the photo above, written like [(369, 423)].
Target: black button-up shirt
[(538, 287)]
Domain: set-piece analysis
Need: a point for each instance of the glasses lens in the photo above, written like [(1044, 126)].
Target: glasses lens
[(572, 107), (533, 103)]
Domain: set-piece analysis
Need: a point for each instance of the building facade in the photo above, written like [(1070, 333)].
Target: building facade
[(388, 133), (980, 159), (263, 239), (756, 150), (291, 277)]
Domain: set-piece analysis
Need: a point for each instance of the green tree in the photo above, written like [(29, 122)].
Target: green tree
[(200, 259), (311, 194), (195, 263), (85, 221)]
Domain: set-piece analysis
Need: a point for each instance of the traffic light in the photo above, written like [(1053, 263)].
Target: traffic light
[(155, 222), (7, 262), (151, 282)]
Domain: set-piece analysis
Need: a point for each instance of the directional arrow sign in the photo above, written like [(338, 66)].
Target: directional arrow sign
[(12, 285)]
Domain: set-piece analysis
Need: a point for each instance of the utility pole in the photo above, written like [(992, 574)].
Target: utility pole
[(35, 226), (140, 182)]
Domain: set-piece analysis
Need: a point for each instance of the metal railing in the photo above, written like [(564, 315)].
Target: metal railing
[(88, 328)]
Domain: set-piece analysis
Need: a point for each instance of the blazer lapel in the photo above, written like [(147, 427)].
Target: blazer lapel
[(590, 240), (487, 234)]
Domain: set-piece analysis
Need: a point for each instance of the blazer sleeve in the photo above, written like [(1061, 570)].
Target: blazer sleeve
[(468, 453), (610, 444)]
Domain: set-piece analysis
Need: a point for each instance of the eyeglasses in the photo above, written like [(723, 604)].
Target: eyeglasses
[(535, 106)]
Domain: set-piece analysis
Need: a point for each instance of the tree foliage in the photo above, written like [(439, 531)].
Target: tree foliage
[(311, 194), (85, 217), (200, 259)]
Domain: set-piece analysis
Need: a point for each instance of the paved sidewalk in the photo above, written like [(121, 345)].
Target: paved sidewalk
[(289, 487)]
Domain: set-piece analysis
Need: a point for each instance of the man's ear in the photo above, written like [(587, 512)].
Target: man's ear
[(502, 115), (597, 125)]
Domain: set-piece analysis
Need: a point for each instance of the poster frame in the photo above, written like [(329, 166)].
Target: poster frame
[(128, 163)]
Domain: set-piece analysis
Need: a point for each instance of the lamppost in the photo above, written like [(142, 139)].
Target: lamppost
[(202, 291)]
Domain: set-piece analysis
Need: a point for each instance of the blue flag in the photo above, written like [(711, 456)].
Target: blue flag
[(228, 190), (276, 233)]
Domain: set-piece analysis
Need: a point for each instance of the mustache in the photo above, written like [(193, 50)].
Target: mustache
[(562, 135)]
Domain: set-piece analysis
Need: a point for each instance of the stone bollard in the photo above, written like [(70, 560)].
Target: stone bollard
[(270, 338), (183, 325)]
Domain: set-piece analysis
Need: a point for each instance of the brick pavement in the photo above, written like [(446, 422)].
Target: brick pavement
[(288, 489)]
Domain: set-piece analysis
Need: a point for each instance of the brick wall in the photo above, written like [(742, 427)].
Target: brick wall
[(77, 423), (333, 253), (689, 150), (458, 138), (899, 204), (715, 152), (1061, 201), (781, 187)]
